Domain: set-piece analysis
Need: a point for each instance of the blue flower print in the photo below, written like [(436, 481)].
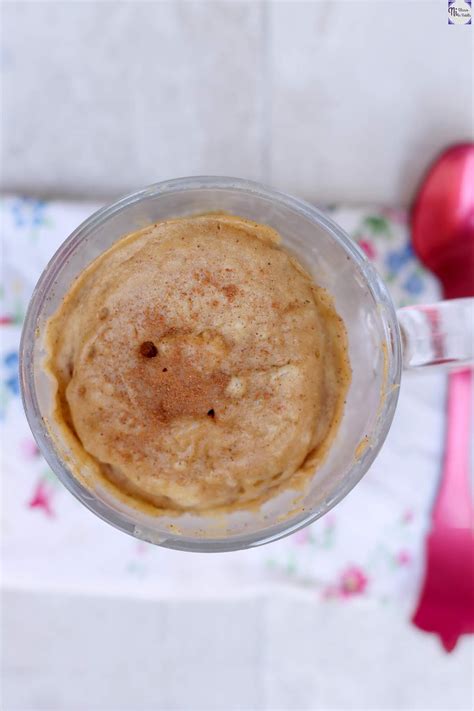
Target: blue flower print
[(29, 212), (413, 284), (397, 259), (12, 382)]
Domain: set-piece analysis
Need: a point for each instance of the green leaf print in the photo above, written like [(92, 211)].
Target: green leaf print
[(377, 225), (291, 566), (18, 314), (4, 399), (47, 475)]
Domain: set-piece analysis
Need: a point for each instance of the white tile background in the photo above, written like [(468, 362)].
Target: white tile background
[(266, 653), (335, 100)]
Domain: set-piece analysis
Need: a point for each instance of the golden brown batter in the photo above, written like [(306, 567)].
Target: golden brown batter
[(198, 364)]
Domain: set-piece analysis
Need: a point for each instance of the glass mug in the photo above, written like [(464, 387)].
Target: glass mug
[(380, 345)]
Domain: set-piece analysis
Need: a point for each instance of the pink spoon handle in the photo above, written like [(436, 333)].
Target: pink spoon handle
[(453, 505)]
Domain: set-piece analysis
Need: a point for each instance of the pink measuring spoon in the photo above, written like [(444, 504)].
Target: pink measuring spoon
[(443, 238)]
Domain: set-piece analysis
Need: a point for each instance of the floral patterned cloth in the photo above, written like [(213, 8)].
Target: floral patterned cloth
[(370, 546)]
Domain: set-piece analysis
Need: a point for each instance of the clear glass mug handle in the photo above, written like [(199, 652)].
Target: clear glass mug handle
[(438, 334)]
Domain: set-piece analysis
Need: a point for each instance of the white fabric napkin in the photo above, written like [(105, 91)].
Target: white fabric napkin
[(370, 546)]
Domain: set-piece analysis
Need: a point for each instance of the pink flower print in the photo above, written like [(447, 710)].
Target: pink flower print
[(353, 581), (395, 215), (29, 449), (42, 499), (408, 516), (368, 248), (403, 557), (302, 537), (330, 520)]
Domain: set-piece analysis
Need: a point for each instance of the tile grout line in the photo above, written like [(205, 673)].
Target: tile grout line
[(266, 97), (264, 659)]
